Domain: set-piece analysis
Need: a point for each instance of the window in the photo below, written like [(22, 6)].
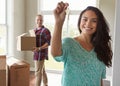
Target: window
[(70, 24), (2, 11), (78, 5), (2, 27)]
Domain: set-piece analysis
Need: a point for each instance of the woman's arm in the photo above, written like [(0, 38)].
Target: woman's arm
[(59, 14)]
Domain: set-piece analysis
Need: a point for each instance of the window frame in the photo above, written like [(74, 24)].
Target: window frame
[(50, 12), (4, 37), (5, 12)]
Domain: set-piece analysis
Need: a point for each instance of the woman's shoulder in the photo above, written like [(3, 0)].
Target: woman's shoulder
[(68, 39)]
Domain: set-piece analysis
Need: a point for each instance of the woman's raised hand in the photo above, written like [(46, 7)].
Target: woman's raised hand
[(60, 11)]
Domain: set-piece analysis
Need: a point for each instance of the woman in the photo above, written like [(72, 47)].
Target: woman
[(86, 56)]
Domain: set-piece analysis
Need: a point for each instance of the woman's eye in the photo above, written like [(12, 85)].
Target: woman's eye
[(94, 21), (84, 19)]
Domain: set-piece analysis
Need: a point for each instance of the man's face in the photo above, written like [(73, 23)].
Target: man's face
[(39, 21)]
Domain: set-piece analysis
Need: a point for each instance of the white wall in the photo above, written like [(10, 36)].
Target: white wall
[(108, 9), (16, 25), (21, 15), (31, 12), (116, 57)]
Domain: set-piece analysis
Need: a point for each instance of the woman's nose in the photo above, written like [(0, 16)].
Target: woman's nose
[(88, 24)]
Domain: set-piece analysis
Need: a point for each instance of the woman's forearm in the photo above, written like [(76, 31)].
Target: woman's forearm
[(56, 45), (59, 14)]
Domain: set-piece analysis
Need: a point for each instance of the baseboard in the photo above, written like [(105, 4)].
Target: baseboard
[(54, 71), (32, 69), (49, 70), (107, 81)]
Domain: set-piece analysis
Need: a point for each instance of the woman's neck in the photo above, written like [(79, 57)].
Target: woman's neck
[(84, 38), (85, 42)]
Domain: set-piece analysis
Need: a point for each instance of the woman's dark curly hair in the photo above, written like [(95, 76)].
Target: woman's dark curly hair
[(101, 39)]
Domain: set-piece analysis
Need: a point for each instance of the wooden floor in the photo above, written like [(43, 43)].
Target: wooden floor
[(32, 79), (54, 79)]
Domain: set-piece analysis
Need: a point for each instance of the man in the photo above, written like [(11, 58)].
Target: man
[(43, 37)]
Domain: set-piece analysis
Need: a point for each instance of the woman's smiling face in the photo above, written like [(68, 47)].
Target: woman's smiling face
[(88, 22)]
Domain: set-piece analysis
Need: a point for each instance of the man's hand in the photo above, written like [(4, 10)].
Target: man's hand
[(36, 49)]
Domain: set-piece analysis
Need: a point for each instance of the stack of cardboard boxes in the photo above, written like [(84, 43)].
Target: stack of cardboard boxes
[(14, 72), (18, 72), (3, 79)]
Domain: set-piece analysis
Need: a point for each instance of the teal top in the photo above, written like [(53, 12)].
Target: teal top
[(81, 68)]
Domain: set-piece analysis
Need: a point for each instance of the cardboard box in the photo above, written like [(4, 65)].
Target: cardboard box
[(32, 33), (18, 72), (25, 43), (3, 79)]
